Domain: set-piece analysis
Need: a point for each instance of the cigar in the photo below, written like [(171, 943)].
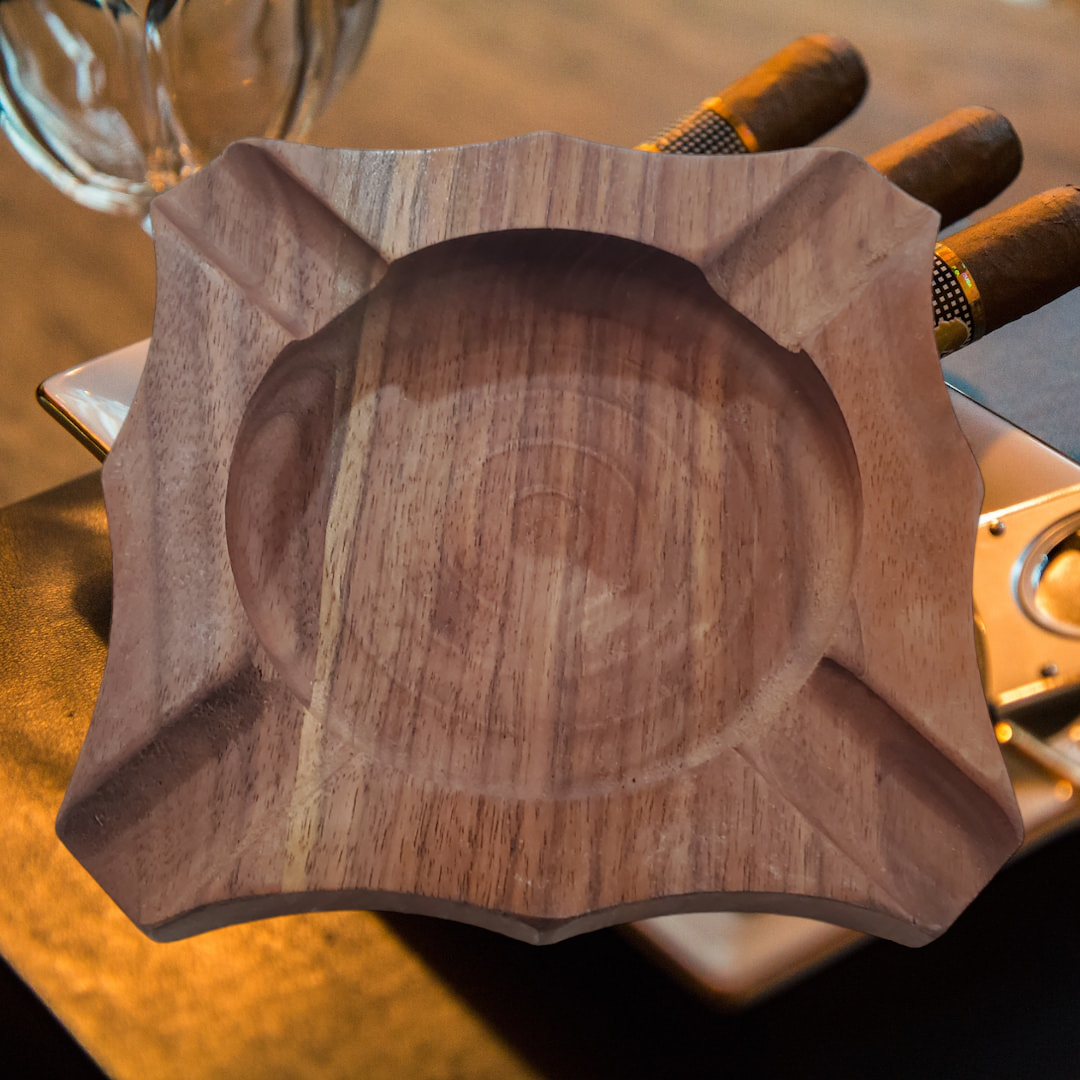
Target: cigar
[(1005, 267), (793, 98), (956, 164)]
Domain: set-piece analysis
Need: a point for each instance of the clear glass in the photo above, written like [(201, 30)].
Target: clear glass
[(114, 101)]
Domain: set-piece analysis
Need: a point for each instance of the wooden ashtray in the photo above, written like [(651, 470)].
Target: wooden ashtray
[(542, 535)]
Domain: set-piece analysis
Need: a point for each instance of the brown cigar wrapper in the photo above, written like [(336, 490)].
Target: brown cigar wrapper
[(957, 164), (1023, 257), (791, 99), (803, 91)]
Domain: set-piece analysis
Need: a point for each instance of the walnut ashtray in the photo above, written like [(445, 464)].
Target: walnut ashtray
[(542, 535)]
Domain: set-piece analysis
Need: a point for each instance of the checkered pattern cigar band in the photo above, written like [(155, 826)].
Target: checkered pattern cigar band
[(703, 132), (949, 300), (958, 308)]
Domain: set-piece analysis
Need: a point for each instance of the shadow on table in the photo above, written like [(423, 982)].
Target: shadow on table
[(997, 996)]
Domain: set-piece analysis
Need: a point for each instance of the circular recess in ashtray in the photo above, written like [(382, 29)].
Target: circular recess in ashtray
[(542, 513), (1047, 577)]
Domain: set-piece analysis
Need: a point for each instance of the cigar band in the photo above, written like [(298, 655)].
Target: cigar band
[(958, 307), (712, 128)]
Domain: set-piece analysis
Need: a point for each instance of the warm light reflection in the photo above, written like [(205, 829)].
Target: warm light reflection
[(1074, 731), (1003, 731), (1063, 791)]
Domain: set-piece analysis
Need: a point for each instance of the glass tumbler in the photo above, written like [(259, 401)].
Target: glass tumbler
[(114, 101)]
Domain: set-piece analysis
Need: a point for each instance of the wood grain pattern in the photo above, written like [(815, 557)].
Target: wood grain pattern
[(542, 535)]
